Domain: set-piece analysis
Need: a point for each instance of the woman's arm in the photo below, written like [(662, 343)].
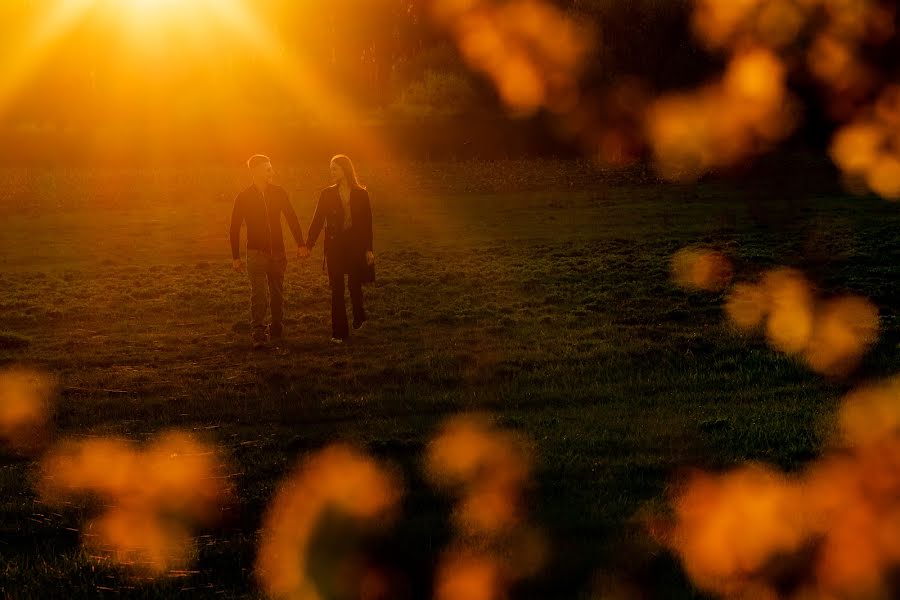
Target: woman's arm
[(367, 226), (237, 220)]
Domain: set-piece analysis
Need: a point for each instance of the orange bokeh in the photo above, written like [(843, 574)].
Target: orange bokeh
[(25, 407), (730, 124), (790, 300), (830, 335), (726, 24), (692, 132), (834, 61), (780, 23), (491, 467), (871, 413), (844, 328), (857, 146), (836, 523), (336, 478), (701, 269), (747, 305), (838, 31), (854, 499), (469, 576), (869, 146), (152, 496), (884, 177), (531, 50), (718, 22), (728, 526), (138, 539)]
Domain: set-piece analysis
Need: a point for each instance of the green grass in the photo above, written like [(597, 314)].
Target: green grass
[(538, 292)]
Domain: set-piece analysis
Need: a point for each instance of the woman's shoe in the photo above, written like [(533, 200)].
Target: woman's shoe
[(336, 340)]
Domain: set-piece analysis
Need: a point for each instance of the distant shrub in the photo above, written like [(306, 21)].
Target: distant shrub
[(440, 57), (437, 93)]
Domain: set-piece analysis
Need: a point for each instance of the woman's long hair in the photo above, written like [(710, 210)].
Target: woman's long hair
[(344, 162)]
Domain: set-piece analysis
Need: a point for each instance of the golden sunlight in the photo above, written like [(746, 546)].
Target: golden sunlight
[(155, 24), (153, 10), (104, 36)]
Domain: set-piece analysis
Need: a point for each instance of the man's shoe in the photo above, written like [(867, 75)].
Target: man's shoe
[(357, 325), (259, 345), (337, 340)]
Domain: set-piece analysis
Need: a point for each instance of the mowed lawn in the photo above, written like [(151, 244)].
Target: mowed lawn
[(536, 292)]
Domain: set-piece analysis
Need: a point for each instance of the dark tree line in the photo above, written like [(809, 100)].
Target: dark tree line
[(383, 54)]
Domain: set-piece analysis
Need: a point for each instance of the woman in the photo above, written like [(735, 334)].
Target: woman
[(346, 212)]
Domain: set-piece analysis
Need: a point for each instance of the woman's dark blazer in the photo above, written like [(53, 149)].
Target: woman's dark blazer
[(344, 249)]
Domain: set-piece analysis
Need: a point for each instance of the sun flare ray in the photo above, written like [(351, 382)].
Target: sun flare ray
[(23, 61), (299, 78)]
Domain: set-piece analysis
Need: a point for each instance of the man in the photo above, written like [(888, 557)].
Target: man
[(260, 206)]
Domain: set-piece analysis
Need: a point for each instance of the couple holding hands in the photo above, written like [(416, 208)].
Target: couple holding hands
[(345, 211)]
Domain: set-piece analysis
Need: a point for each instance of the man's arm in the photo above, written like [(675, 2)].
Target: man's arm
[(292, 220), (318, 220), (237, 219)]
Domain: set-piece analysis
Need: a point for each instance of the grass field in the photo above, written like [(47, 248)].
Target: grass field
[(537, 292)]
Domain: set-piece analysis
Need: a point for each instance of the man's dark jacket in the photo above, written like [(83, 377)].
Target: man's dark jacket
[(262, 213)]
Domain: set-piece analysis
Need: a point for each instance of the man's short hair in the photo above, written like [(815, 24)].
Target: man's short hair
[(256, 160)]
